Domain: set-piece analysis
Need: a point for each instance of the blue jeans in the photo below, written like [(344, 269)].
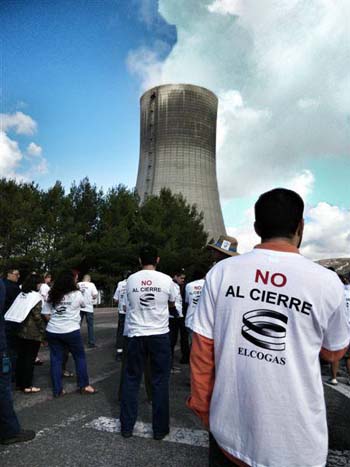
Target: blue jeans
[(90, 325), (157, 349), (9, 425), (57, 344)]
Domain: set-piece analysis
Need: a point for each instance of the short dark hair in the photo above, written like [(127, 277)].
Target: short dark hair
[(278, 213), (148, 255), (30, 283)]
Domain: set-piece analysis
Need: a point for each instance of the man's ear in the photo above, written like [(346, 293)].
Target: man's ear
[(158, 259), (300, 229), (257, 230), (140, 262)]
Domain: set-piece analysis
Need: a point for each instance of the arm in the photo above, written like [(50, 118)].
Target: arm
[(202, 376)]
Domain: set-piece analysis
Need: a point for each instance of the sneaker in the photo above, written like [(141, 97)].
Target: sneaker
[(22, 436), (160, 436), (332, 381), (126, 434)]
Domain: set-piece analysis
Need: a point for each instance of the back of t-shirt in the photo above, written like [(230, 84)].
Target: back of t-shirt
[(269, 314), (65, 316), (89, 291), (147, 295)]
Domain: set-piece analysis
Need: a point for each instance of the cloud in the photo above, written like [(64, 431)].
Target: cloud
[(21, 123), (223, 7), (34, 149), (279, 71), (13, 162), (10, 156)]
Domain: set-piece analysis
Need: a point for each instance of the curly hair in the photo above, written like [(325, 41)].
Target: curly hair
[(64, 283)]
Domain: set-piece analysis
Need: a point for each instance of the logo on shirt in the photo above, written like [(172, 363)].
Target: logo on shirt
[(265, 329), (147, 300)]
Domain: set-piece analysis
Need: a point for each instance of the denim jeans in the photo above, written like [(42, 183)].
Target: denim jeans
[(57, 344), (120, 331), (157, 349), (90, 325), (9, 425)]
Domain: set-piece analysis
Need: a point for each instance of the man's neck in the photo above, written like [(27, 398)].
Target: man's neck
[(290, 241), (149, 267)]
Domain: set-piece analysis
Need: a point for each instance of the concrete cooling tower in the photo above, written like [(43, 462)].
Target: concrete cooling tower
[(177, 151)]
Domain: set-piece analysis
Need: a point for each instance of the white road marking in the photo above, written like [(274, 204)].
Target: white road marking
[(188, 436)]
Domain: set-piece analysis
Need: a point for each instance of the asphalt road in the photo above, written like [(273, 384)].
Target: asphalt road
[(78, 430)]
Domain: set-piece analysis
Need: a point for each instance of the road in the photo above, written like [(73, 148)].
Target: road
[(78, 430)]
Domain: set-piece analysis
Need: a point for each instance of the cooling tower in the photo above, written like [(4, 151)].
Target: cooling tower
[(177, 149)]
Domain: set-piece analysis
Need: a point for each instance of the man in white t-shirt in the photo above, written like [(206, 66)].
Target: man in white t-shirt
[(176, 315), (90, 293), (45, 286), (262, 320), (118, 297), (193, 292), (149, 294)]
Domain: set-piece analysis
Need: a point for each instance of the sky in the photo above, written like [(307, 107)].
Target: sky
[(72, 73)]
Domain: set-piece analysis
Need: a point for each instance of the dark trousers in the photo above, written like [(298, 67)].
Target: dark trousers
[(90, 325), (184, 342), (27, 351), (146, 370), (11, 330), (120, 331), (216, 457), (9, 425), (173, 333), (57, 344), (157, 348)]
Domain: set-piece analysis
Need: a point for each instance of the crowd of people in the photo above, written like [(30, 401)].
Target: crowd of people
[(254, 328)]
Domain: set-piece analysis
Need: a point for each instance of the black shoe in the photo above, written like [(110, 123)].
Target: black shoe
[(92, 346), (126, 434), (160, 436), (22, 436)]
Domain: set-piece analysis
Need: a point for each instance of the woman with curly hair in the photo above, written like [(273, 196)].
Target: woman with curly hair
[(63, 331)]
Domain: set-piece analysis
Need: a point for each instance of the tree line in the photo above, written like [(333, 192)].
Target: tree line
[(95, 231)]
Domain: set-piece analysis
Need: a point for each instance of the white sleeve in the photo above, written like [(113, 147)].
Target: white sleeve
[(203, 318), (46, 309), (172, 292), (116, 294), (337, 333), (187, 297), (94, 291)]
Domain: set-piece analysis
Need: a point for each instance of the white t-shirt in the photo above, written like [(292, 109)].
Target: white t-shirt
[(147, 296), (269, 314), (119, 296), (22, 306), (193, 291), (178, 300), (65, 317), (89, 291), (44, 291)]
